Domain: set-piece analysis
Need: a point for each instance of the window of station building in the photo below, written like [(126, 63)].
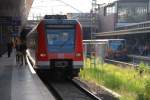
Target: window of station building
[(132, 12), (140, 10), (110, 10)]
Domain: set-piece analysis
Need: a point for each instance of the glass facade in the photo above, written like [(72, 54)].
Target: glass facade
[(111, 9), (132, 12)]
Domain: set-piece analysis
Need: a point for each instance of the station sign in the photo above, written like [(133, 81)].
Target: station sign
[(13, 24), (16, 21), (15, 34), (5, 20)]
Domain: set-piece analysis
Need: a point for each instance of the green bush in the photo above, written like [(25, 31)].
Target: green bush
[(127, 81), (147, 89), (112, 81), (140, 96), (143, 68)]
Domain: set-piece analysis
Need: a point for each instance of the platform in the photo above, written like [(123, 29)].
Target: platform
[(18, 83)]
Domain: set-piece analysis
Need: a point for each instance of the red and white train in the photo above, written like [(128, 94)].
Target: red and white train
[(56, 44)]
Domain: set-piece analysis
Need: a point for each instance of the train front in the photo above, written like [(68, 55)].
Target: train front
[(64, 45)]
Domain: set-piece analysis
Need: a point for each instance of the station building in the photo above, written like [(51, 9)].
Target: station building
[(113, 16), (127, 19), (122, 13)]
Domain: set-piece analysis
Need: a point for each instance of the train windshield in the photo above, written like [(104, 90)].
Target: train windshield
[(117, 45), (61, 40)]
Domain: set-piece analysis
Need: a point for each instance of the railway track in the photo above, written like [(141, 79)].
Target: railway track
[(124, 64), (67, 90)]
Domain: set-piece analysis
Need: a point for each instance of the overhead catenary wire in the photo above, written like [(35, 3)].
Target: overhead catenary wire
[(42, 5), (39, 7), (70, 6), (65, 3)]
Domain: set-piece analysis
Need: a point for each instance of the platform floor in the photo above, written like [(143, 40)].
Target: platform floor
[(18, 83)]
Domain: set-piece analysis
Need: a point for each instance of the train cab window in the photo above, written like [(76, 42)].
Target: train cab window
[(61, 40), (57, 37)]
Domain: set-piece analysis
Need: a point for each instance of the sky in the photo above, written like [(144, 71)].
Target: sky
[(42, 7)]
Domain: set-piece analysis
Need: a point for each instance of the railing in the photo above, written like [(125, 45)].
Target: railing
[(123, 32), (142, 27), (134, 26)]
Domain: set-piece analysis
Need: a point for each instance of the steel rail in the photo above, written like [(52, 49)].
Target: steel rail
[(86, 91), (121, 63), (79, 92)]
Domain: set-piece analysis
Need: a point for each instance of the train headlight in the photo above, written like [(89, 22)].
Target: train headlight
[(78, 54), (43, 54)]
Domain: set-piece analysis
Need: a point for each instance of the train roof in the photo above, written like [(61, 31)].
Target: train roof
[(101, 40), (60, 21), (56, 21), (101, 43), (55, 17)]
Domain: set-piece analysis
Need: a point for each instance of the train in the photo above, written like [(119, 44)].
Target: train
[(55, 44), (115, 49)]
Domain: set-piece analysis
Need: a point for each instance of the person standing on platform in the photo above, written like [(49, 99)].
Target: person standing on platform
[(24, 47), (9, 48), (17, 52)]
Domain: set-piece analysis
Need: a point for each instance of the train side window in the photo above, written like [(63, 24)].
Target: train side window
[(117, 45)]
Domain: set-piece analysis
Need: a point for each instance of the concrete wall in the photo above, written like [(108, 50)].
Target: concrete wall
[(25, 9), (16, 10), (107, 23)]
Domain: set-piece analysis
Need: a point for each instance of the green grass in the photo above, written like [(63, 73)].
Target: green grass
[(127, 81)]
